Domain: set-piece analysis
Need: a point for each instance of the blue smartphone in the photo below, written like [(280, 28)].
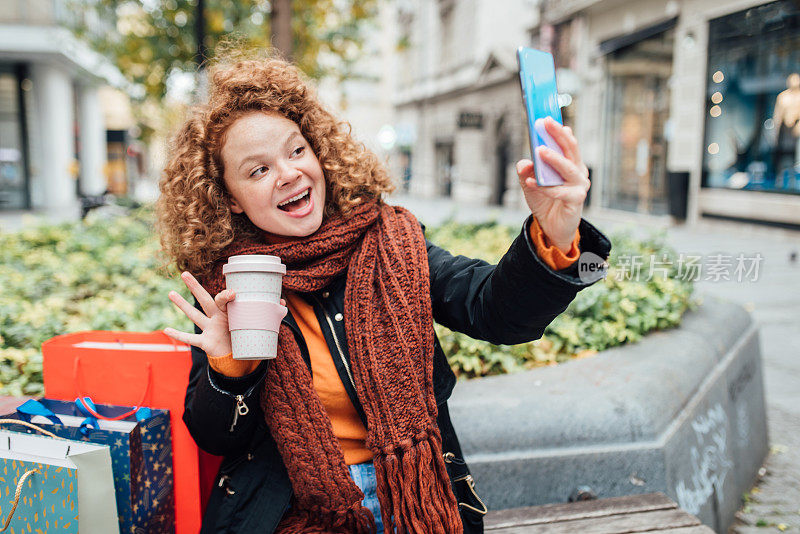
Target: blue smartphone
[(537, 77)]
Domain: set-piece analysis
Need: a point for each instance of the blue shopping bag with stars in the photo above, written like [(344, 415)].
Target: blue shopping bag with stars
[(141, 454)]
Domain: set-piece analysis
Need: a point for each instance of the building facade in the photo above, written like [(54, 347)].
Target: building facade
[(53, 139), (459, 122), (683, 109), (677, 109)]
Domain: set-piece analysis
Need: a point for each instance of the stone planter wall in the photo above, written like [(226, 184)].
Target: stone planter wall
[(681, 412)]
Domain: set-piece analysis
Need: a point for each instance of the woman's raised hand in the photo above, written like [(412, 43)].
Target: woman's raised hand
[(216, 338), (558, 208)]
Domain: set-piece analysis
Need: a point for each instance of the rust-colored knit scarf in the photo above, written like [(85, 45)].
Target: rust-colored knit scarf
[(389, 324)]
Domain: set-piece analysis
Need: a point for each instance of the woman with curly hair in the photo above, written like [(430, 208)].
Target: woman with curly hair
[(347, 430)]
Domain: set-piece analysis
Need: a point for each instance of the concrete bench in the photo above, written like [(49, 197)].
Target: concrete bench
[(681, 412)]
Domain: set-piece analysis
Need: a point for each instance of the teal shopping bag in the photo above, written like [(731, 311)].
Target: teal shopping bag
[(53, 485)]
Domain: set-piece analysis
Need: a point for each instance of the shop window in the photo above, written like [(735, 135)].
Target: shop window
[(405, 169), (752, 115), (444, 168), (447, 42), (636, 120), (13, 179), (502, 159), (405, 22), (117, 167)]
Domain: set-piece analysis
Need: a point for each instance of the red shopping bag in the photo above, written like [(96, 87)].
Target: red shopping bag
[(137, 369)]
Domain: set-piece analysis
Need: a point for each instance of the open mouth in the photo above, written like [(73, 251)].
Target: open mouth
[(297, 202)]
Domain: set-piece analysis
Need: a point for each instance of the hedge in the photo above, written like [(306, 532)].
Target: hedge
[(104, 273)]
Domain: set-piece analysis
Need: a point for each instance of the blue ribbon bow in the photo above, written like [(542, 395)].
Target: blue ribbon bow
[(32, 407)]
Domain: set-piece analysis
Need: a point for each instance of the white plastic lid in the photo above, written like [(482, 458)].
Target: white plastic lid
[(254, 262)]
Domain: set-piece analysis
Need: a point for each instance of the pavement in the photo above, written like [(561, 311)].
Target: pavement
[(772, 295), (16, 220), (145, 190)]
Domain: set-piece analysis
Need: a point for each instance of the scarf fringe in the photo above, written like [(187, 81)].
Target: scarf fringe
[(414, 488)]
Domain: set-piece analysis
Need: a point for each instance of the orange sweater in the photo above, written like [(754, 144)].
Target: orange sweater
[(347, 426)]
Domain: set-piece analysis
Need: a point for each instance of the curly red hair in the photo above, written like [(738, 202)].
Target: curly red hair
[(194, 217)]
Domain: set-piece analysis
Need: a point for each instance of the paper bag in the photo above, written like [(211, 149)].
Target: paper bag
[(63, 485)]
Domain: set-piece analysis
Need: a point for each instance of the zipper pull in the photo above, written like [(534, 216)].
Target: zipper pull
[(451, 458), (240, 409)]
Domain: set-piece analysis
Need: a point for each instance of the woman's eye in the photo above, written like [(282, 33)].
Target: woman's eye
[(259, 170), (299, 150)]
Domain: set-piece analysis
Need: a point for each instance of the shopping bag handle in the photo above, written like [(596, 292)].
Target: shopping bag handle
[(87, 407), (16, 497), (29, 425), (33, 407), (79, 385), (90, 421)]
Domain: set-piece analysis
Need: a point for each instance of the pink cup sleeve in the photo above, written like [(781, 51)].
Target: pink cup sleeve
[(255, 315)]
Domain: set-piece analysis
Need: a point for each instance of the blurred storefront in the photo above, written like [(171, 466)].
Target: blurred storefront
[(638, 111), (752, 126), (686, 108), (53, 146), (14, 191), (125, 163)]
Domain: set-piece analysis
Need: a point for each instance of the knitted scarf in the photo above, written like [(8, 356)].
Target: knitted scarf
[(389, 324)]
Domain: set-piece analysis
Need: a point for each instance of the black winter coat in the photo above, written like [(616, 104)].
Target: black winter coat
[(509, 303)]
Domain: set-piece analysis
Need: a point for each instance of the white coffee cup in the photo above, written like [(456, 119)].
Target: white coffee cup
[(255, 314)]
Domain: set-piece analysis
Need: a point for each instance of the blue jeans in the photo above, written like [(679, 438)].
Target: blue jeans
[(364, 477)]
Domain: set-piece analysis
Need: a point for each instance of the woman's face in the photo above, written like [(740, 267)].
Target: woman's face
[(272, 175)]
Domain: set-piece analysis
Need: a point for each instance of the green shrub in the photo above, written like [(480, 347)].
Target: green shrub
[(613, 311), (103, 274)]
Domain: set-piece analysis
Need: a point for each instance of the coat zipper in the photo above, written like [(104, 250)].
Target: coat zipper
[(241, 408), (338, 347)]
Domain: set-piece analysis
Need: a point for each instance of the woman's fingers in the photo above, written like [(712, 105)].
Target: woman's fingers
[(566, 193), (525, 170), (568, 170), (223, 298), (195, 340), (191, 312), (574, 141), (569, 194), (199, 292), (574, 188), (563, 136), (568, 143)]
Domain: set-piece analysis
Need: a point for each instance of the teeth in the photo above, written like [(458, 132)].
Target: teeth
[(296, 197)]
